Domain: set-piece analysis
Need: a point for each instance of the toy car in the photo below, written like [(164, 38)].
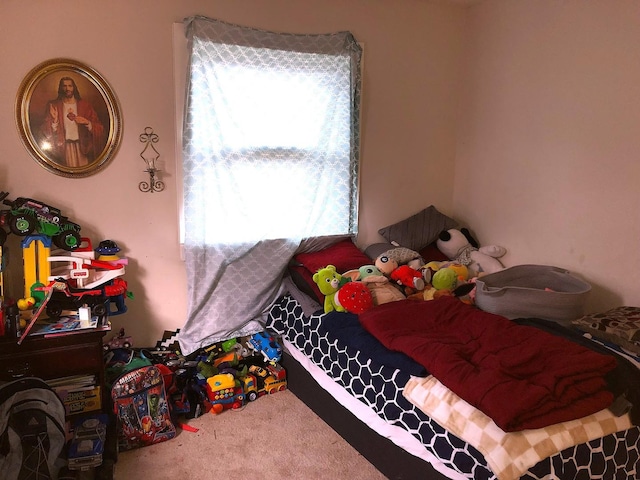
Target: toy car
[(28, 216), (259, 371), (118, 341), (87, 446), (264, 343)]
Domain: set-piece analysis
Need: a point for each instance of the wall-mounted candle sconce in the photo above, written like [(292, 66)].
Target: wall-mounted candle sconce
[(149, 154)]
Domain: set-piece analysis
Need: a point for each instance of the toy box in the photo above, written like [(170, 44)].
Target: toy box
[(533, 291)]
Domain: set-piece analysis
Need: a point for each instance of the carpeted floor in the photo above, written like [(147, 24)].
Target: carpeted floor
[(274, 437)]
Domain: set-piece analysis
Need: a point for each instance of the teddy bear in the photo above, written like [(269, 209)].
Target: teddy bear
[(340, 293), (328, 281), (461, 247)]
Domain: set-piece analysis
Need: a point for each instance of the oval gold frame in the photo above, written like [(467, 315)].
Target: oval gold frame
[(40, 86)]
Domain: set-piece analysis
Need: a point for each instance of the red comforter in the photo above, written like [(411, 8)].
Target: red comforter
[(519, 376)]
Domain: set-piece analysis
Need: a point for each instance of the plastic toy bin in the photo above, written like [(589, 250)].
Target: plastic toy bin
[(533, 291)]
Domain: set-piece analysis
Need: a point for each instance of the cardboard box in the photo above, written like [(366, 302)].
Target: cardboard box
[(80, 400)]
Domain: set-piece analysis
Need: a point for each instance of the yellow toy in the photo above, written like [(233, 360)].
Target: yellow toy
[(329, 281), (26, 303), (35, 254)]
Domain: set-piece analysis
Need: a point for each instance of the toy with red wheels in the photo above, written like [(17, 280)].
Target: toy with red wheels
[(224, 393), (28, 216), (67, 298)]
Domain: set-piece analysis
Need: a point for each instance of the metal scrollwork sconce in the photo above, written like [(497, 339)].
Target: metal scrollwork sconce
[(150, 155)]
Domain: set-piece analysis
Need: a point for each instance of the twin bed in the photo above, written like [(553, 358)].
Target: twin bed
[(398, 382)]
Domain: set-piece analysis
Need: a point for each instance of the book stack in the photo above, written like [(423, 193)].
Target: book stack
[(63, 325), (79, 393)]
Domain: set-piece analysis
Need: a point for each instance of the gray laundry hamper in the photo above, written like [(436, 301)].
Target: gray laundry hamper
[(533, 291)]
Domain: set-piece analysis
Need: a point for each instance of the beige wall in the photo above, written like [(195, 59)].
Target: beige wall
[(541, 157), (413, 49), (548, 144)]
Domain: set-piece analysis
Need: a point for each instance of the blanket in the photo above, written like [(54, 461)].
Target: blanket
[(521, 377), (345, 328), (509, 455)]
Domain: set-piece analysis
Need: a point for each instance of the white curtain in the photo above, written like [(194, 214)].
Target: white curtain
[(271, 137)]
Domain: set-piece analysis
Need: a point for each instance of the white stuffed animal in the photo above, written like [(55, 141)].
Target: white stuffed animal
[(461, 247)]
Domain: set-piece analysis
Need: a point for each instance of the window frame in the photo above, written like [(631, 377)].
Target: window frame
[(180, 65)]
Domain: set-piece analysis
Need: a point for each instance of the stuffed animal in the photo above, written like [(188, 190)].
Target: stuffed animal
[(408, 262), (366, 271), (341, 293), (388, 261), (428, 270), (461, 247), (448, 281), (381, 290), (328, 281), (354, 297), (408, 277), (445, 279)]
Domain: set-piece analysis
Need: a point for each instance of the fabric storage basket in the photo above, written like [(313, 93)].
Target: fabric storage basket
[(533, 291)]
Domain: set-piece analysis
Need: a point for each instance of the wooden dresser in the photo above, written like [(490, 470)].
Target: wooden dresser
[(51, 357), (76, 353)]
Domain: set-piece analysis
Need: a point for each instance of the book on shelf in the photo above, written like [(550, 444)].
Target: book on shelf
[(61, 325), (79, 393), (73, 381)]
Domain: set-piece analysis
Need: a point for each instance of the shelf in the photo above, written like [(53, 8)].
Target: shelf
[(48, 357)]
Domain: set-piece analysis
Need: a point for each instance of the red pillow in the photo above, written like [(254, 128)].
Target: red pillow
[(344, 255), (303, 279), (430, 253)]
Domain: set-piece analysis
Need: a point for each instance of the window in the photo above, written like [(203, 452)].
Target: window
[(273, 141), (270, 156)]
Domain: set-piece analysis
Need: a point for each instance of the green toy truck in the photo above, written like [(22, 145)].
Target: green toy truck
[(28, 216)]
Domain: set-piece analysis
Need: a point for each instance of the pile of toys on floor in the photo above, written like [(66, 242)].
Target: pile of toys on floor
[(227, 375), (224, 375)]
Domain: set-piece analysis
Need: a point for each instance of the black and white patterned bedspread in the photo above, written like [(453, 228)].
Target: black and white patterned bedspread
[(380, 388)]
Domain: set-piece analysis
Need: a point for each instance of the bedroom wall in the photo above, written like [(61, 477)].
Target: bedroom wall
[(548, 144), (412, 58)]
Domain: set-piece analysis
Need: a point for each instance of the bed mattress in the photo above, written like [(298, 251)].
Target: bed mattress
[(378, 389)]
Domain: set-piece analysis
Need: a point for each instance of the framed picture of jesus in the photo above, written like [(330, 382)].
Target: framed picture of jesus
[(68, 118)]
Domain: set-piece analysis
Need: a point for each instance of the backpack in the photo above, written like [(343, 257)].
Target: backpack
[(32, 430), (140, 404)]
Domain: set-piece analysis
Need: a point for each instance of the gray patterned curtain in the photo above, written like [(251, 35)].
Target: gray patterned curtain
[(271, 137)]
